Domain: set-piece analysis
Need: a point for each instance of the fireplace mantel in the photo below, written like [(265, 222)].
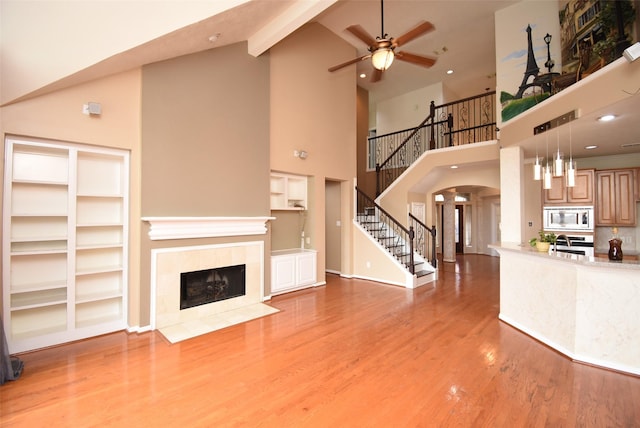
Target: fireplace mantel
[(163, 228)]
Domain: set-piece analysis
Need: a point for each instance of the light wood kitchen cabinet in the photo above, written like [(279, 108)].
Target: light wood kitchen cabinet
[(64, 242), (615, 198), (637, 172), (581, 194)]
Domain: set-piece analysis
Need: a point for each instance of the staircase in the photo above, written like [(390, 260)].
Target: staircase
[(394, 238)]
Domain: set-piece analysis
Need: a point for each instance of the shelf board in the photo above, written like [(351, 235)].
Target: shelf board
[(31, 215), (38, 252), (99, 224), (42, 286), (96, 195), (96, 297), (15, 240), (98, 246), (36, 303), (45, 182), (104, 269)]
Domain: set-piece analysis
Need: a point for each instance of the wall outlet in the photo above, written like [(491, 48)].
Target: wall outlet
[(308, 240), (368, 264)]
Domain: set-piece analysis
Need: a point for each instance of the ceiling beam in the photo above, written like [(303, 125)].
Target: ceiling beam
[(298, 14)]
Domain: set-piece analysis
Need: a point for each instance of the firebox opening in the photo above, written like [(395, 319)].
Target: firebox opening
[(211, 285)]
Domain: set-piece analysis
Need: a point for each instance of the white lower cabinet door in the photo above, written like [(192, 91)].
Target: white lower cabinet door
[(306, 269), (283, 273)]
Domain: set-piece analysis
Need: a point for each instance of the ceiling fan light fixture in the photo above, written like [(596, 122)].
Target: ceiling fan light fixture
[(382, 58)]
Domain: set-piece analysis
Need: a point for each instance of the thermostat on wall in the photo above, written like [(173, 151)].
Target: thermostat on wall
[(92, 108)]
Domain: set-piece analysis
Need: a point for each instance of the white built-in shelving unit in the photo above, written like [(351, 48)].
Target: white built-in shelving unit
[(288, 192), (65, 247)]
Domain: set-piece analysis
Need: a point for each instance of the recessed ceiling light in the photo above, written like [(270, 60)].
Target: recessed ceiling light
[(362, 75), (449, 71), (606, 118), (454, 166), (214, 37), (591, 147)]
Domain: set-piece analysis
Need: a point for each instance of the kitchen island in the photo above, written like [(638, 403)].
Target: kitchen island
[(584, 307)]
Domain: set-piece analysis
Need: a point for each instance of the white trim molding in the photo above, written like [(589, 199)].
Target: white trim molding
[(204, 227)]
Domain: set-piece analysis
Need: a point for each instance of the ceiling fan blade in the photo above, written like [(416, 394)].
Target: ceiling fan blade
[(422, 28), (376, 76), (420, 60), (362, 34), (353, 61)]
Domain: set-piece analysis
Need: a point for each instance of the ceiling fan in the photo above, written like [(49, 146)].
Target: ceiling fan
[(382, 49)]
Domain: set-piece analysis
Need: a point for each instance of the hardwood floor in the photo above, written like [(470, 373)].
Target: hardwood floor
[(350, 354)]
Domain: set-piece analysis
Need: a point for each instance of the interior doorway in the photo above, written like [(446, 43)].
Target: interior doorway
[(333, 227), (459, 228)]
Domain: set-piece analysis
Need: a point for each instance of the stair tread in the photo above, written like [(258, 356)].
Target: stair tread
[(423, 273)]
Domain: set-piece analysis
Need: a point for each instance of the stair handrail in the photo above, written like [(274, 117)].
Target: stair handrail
[(472, 114), (402, 145), (429, 253), (363, 198)]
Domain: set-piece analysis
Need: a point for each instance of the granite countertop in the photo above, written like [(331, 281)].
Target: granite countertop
[(624, 251), (572, 258)]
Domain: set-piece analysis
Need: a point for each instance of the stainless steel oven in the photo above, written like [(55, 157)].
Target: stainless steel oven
[(568, 219), (575, 244)]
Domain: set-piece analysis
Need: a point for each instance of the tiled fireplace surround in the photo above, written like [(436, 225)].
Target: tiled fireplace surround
[(168, 263)]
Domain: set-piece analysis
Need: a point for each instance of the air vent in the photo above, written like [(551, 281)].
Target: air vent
[(630, 145)]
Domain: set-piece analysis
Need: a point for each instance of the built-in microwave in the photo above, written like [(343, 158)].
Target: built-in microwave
[(568, 219)]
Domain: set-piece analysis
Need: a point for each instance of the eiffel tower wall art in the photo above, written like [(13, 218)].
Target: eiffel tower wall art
[(527, 55), (543, 47)]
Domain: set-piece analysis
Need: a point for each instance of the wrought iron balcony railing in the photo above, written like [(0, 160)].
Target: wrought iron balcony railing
[(465, 121)]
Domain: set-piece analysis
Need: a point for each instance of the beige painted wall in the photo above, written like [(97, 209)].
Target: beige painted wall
[(374, 264), (58, 116), (366, 179), (205, 135), (407, 110), (314, 110), (287, 227), (205, 143)]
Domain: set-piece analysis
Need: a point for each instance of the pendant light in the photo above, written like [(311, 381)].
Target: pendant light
[(558, 164), (546, 184), (537, 167), (571, 165)]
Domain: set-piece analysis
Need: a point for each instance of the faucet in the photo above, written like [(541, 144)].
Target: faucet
[(566, 238)]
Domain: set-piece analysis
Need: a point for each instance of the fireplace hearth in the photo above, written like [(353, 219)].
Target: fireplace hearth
[(211, 285)]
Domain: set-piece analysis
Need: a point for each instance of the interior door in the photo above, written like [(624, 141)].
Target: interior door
[(459, 226)]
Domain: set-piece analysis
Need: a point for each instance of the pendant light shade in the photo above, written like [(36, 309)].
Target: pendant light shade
[(571, 165), (571, 174), (558, 164), (546, 184), (382, 58), (537, 170)]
